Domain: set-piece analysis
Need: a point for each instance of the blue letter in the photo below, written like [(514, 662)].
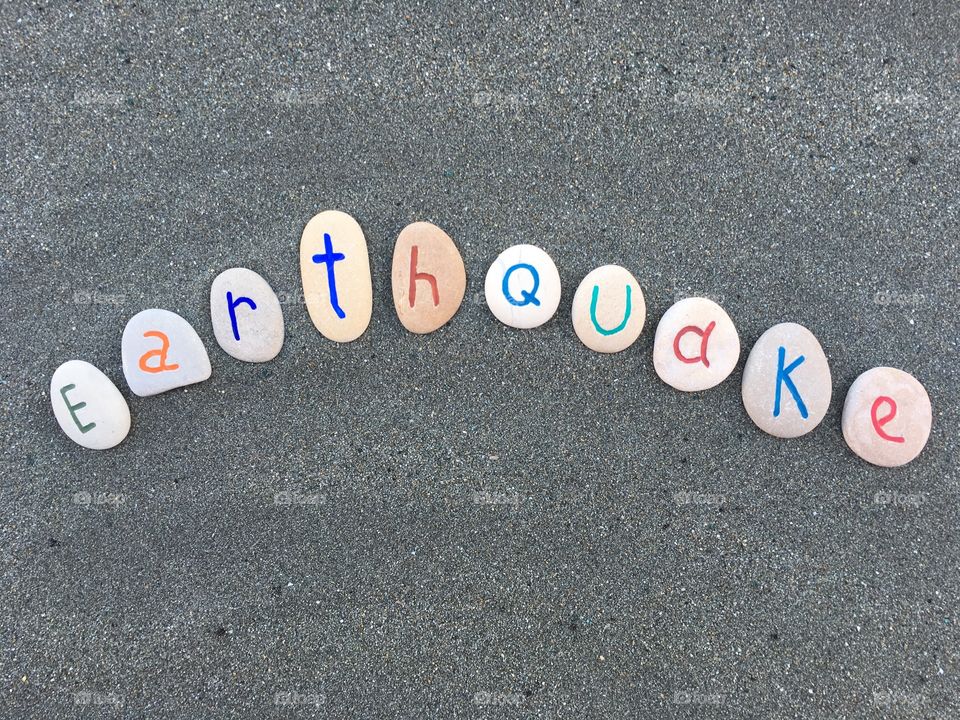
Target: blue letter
[(783, 377), (329, 257), (593, 312), (528, 296), (232, 305)]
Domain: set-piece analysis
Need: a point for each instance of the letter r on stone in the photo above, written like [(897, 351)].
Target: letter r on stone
[(232, 309)]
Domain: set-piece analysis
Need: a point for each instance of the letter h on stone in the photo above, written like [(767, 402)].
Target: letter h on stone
[(415, 276)]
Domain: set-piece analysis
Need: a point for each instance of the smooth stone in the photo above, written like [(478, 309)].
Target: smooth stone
[(608, 309), (253, 332), (811, 379), (335, 270), (696, 346), (887, 417), (426, 253), (88, 406), (161, 351), (522, 287)]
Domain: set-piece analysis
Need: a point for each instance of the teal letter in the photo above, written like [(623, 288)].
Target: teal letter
[(593, 312)]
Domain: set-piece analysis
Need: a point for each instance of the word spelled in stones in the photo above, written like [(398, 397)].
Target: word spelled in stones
[(786, 381), (161, 351), (246, 315), (88, 406), (696, 346), (429, 279), (335, 270), (887, 417), (786, 386), (522, 287)]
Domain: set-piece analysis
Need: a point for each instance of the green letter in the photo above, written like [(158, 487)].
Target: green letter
[(73, 409)]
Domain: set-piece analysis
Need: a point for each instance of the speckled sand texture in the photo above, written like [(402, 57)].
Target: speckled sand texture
[(456, 524)]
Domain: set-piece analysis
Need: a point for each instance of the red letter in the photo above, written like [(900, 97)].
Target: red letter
[(878, 423), (414, 276), (705, 338)]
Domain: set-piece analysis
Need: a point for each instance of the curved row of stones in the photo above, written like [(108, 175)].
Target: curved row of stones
[(786, 380)]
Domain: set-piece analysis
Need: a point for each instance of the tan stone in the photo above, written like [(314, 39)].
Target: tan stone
[(810, 377), (696, 346), (426, 301), (608, 309), (335, 269), (887, 417)]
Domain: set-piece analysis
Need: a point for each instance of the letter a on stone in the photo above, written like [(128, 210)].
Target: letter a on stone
[(335, 269), (696, 346), (700, 357), (161, 351), (159, 354)]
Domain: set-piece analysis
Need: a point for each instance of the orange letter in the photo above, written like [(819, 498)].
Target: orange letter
[(414, 276), (161, 354)]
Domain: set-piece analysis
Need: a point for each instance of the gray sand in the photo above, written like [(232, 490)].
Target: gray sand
[(483, 522)]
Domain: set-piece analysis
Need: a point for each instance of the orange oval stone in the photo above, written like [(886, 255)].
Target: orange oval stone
[(429, 279)]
